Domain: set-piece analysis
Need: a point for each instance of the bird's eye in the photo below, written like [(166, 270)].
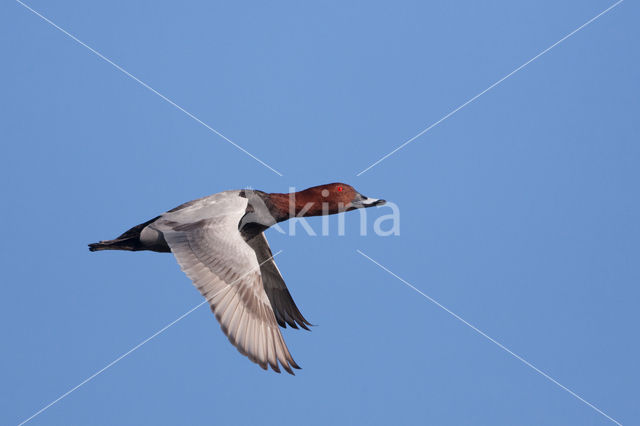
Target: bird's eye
[(339, 188)]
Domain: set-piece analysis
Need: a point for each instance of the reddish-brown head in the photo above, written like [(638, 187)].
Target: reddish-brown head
[(323, 200)]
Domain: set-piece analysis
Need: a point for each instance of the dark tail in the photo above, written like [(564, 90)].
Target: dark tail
[(130, 240)]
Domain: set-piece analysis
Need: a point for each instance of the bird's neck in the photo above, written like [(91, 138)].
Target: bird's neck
[(295, 204)]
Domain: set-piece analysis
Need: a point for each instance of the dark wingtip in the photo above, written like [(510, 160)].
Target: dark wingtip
[(94, 246), (297, 324), (306, 323), (287, 367), (274, 367), (292, 324)]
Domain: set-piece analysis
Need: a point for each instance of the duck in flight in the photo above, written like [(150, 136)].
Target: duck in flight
[(220, 245)]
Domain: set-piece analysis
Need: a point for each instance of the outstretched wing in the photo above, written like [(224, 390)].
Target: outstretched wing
[(282, 303), (205, 240)]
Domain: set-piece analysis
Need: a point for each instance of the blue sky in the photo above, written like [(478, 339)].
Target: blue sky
[(519, 213)]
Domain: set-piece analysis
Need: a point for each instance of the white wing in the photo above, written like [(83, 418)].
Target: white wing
[(203, 236)]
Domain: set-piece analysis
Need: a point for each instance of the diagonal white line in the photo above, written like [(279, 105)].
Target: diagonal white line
[(491, 87), (145, 85), (491, 339), (88, 379), (136, 347)]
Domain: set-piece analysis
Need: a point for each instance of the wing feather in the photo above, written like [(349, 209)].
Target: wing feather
[(205, 240), (284, 308)]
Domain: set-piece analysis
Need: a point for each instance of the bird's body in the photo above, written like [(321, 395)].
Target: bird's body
[(220, 245)]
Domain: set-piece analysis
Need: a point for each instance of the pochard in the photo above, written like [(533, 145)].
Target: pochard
[(220, 245)]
